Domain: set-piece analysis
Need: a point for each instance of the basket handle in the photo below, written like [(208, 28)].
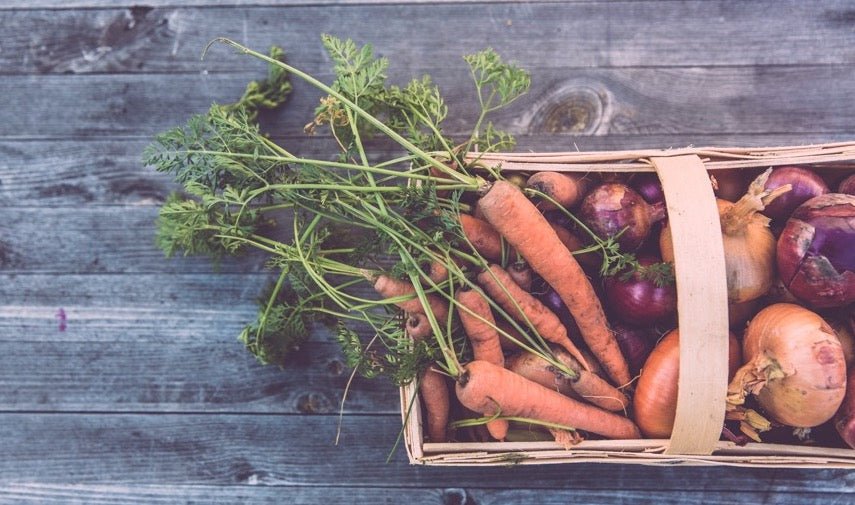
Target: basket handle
[(701, 303)]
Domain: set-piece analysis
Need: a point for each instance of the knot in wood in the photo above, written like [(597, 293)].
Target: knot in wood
[(571, 109)]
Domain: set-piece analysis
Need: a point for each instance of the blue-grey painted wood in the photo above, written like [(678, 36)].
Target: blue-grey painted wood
[(140, 393)]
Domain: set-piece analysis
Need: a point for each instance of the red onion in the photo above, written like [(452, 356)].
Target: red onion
[(648, 186), (805, 183), (638, 300), (729, 184), (614, 208), (635, 344), (847, 185), (553, 301), (816, 251)]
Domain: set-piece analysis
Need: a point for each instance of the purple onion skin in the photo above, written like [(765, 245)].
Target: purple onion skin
[(636, 344), (553, 302), (806, 185), (648, 186), (612, 207), (637, 301), (847, 185), (816, 251)]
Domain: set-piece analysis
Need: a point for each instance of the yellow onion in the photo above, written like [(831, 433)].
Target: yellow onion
[(655, 400), (749, 245), (794, 366)]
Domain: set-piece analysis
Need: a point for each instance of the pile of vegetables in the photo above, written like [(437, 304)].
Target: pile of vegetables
[(522, 304)]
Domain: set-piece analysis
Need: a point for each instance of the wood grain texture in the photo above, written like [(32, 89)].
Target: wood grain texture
[(298, 450), (737, 100), (562, 35), (70, 173), (26, 494)]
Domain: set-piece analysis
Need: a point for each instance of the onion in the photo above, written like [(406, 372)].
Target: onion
[(749, 246), (844, 420), (553, 301), (847, 185), (805, 184), (635, 344), (648, 186), (638, 300), (847, 340), (816, 251), (794, 365), (614, 208), (655, 400), (729, 184), (739, 313)]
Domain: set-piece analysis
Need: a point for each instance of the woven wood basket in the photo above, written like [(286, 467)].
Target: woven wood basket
[(702, 319)]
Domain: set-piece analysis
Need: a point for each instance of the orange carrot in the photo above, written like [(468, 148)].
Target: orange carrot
[(490, 389), (483, 237), (438, 272), (525, 228), (480, 327), (585, 385), (566, 189), (572, 243), (434, 393), (417, 326), (433, 389), (498, 283), (521, 274), (389, 287)]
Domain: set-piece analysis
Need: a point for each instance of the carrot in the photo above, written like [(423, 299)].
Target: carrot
[(521, 305), (417, 326), (566, 189), (572, 243), (389, 287), (586, 385), (525, 228), (490, 389), (521, 274), (438, 272), (433, 389), (480, 327), (434, 393), (483, 237)]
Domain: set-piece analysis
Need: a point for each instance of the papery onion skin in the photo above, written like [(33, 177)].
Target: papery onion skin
[(612, 208), (655, 400), (844, 420), (816, 251), (749, 258), (794, 365), (847, 185), (639, 301), (805, 183)]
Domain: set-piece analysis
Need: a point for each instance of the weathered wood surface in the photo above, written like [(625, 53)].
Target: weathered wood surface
[(694, 100), (294, 450), (603, 34), (140, 392), (25, 494)]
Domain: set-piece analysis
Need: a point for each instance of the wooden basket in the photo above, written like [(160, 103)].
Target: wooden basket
[(702, 318)]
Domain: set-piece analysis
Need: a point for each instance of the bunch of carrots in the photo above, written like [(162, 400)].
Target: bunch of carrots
[(459, 254)]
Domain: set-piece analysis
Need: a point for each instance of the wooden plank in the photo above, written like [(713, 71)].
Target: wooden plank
[(298, 450), (211, 373), (698, 101), (159, 343), (71, 494), (97, 240), (90, 4), (61, 173), (576, 34)]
